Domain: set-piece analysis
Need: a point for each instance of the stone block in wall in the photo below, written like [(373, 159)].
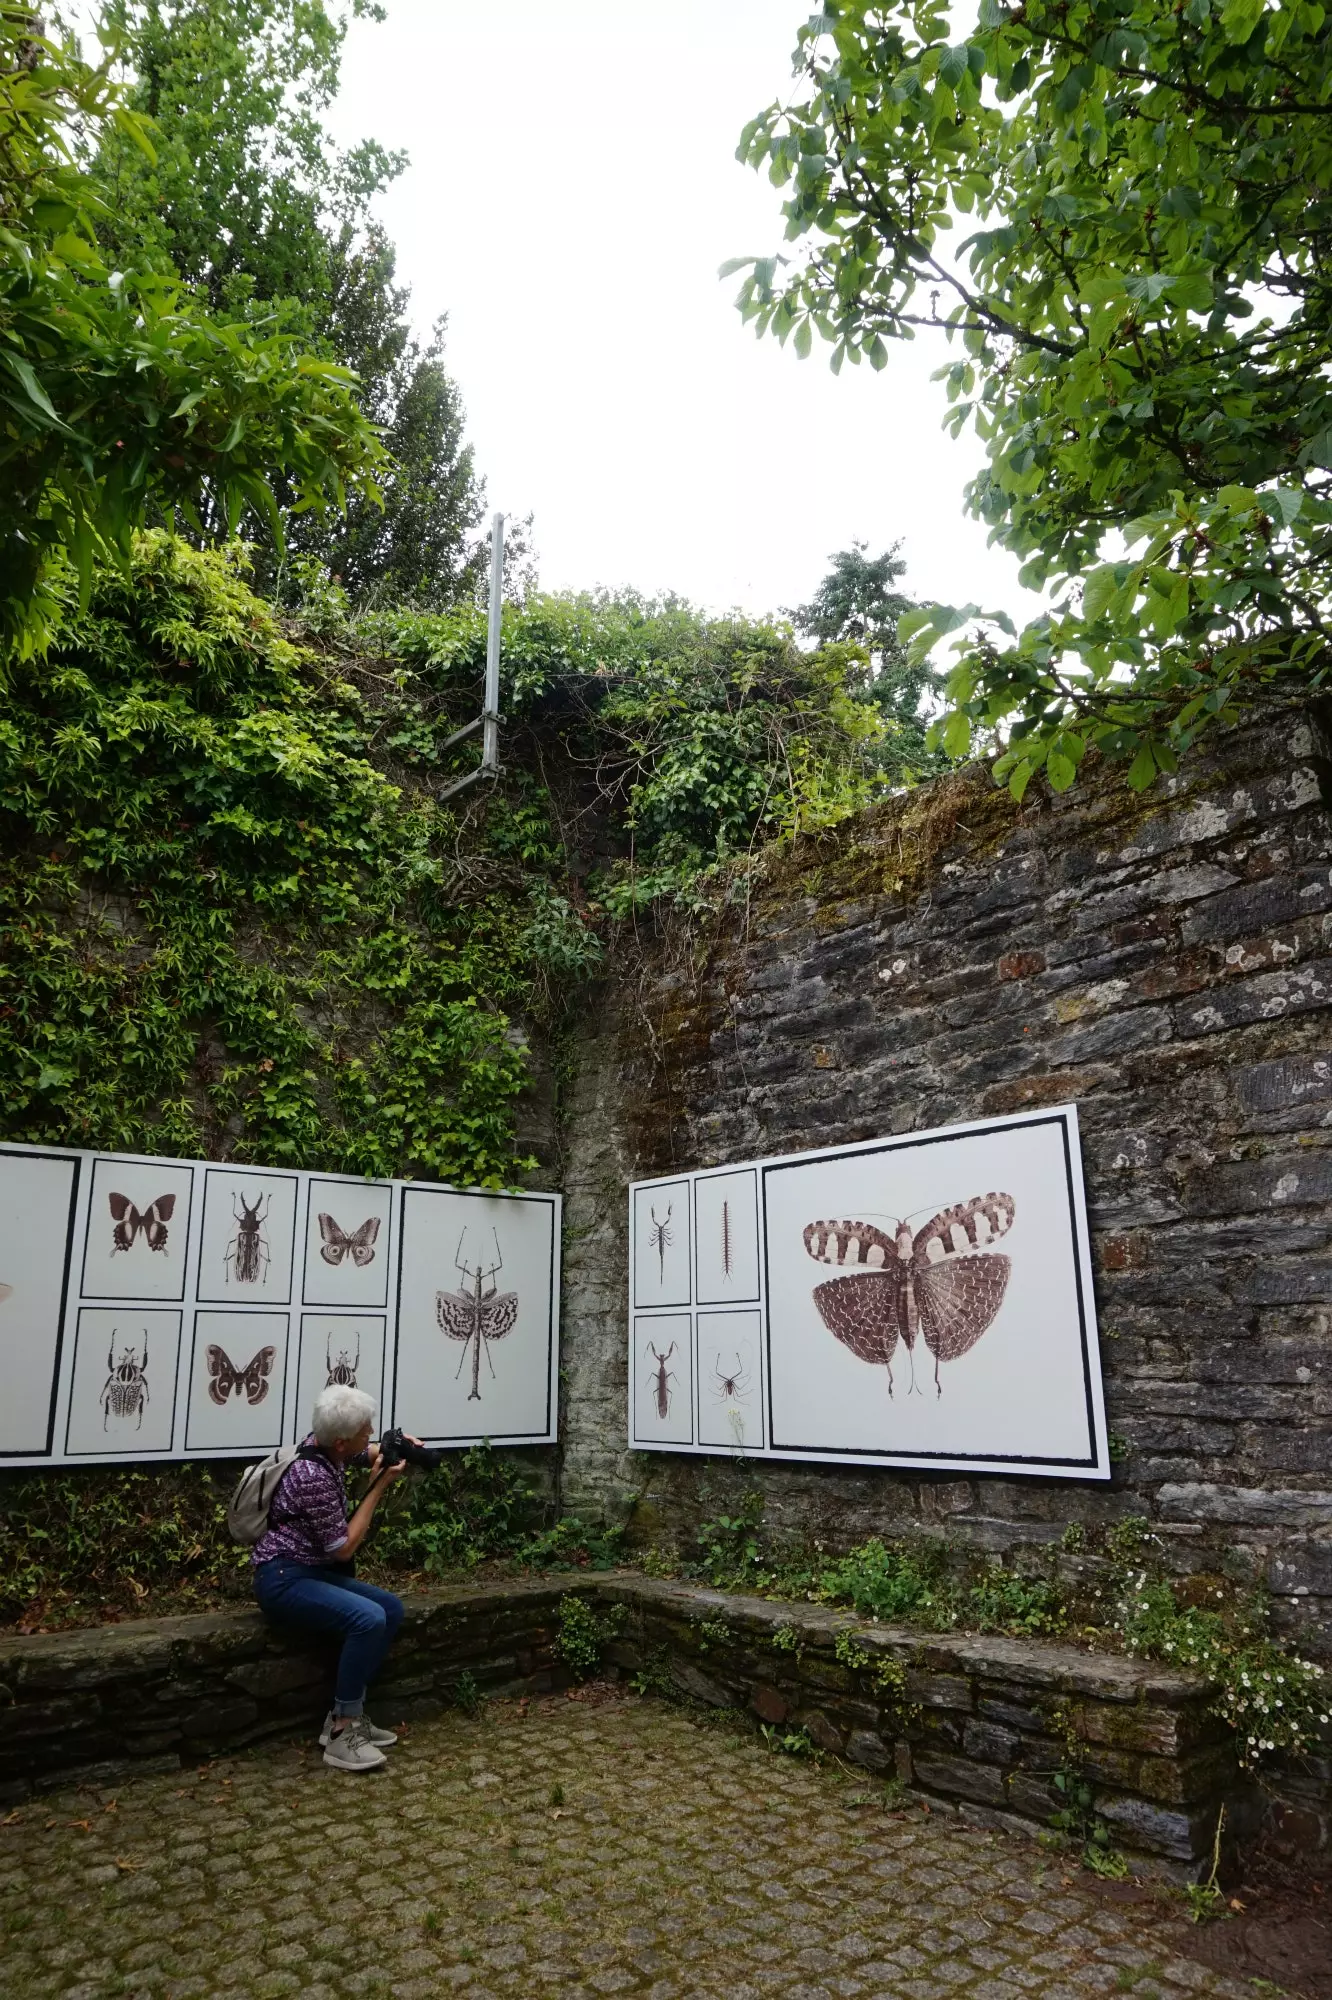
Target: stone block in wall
[(1181, 1835), (866, 1748), (267, 1679), (957, 1777)]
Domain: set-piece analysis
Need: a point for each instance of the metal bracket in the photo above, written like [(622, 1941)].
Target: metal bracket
[(489, 720)]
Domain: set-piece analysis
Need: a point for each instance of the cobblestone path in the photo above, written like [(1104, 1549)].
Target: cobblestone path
[(572, 1849)]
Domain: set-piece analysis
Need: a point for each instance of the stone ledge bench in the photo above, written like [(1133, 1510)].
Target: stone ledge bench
[(978, 1724)]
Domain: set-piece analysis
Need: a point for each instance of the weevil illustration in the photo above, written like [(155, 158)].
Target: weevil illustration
[(662, 1377), (125, 1391), (661, 1236), (342, 1372), (473, 1314), (246, 1256)]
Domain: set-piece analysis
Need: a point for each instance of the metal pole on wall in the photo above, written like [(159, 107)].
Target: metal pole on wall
[(488, 721), (490, 713)]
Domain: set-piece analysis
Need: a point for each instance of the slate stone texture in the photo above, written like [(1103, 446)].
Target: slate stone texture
[(570, 1848), (1165, 961)]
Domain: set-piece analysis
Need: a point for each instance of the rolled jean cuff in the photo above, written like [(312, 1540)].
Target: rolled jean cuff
[(349, 1708)]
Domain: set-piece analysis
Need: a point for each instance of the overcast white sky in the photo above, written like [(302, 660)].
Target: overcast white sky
[(573, 189)]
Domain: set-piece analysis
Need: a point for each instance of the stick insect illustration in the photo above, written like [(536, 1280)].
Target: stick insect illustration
[(476, 1315), (661, 1378), (246, 1255), (661, 1236), (945, 1283), (125, 1391), (342, 1372), (727, 1246)]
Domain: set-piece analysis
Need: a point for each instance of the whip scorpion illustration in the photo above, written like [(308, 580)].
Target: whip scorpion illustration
[(474, 1315)]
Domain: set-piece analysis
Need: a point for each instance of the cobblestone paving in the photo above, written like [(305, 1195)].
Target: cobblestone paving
[(573, 1849)]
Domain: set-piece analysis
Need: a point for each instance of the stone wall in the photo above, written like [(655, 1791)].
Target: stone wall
[(1165, 962), (980, 1725)]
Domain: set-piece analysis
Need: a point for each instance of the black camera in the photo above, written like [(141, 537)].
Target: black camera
[(394, 1448)]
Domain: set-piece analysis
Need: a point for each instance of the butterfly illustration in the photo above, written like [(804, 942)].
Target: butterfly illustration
[(475, 1314), (945, 1283), (130, 1222), (228, 1379), (336, 1243)]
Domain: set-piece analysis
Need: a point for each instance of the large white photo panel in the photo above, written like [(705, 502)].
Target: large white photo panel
[(478, 1316), (923, 1300)]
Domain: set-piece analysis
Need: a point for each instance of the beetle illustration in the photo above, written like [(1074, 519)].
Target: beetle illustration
[(125, 1391), (945, 1283), (661, 1236), (475, 1315), (342, 1372), (246, 1256), (661, 1377)]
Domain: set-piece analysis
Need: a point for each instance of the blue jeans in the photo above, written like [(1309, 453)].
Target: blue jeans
[(330, 1600)]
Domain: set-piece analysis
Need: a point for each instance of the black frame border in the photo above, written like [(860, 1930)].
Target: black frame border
[(221, 1167), (924, 1460), (636, 1443), (539, 1197)]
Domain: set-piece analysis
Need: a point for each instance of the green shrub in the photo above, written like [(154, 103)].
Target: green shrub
[(112, 1538), (907, 1583), (1273, 1699), (1002, 1601), (584, 1633), (476, 1506)]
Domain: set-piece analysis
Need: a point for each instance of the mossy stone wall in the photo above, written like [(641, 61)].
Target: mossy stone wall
[(1166, 962)]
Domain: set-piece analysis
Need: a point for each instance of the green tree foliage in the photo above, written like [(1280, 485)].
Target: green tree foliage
[(857, 602), (249, 201), (227, 928), (415, 545), (1140, 309), (118, 392), (669, 740)]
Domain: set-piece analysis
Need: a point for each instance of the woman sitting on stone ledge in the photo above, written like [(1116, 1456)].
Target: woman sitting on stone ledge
[(302, 1568)]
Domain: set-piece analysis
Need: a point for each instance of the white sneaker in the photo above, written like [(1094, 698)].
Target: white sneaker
[(352, 1750), (383, 1739)]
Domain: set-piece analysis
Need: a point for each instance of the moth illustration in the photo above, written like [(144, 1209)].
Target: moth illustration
[(130, 1223), (125, 1391), (476, 1315), (945, 1283), (661, 1236), (229, 1380), (246, 1255), (342, 1372), (337, 1243)]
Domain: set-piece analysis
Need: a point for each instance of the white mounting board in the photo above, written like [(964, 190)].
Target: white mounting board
[(936, 1342), (161, 1309)]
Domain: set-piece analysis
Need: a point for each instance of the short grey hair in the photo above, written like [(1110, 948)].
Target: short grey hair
[(340, 1412)]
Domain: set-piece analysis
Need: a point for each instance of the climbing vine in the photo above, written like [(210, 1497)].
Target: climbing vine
[(229, 929)]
